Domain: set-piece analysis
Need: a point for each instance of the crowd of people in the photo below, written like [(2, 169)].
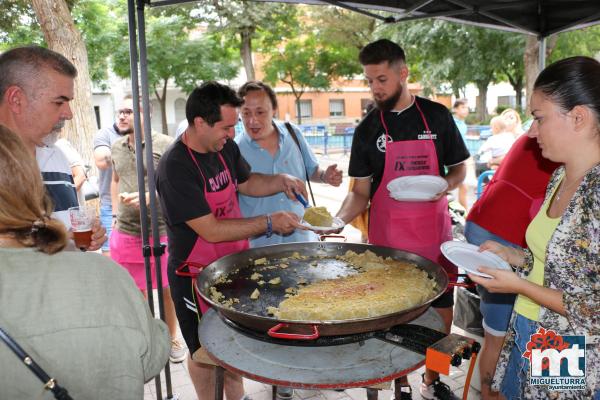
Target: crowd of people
[(83, 318)]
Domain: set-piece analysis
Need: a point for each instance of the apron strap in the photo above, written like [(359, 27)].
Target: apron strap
[(183, 140), (387, 132), (385, 127), (193, 157), (423, 118)]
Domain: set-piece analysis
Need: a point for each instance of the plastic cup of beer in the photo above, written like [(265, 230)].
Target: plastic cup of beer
[(82, 219)]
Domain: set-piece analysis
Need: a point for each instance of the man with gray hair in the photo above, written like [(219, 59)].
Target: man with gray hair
[(36, 86)]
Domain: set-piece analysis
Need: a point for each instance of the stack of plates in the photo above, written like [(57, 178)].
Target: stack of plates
[(416, 187), (469, 258)]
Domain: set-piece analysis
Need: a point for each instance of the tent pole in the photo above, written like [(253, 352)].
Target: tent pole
[(156, 249), (133, 62)]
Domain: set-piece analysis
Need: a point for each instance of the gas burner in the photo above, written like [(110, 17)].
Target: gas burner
[(442, 350), (334, 362)]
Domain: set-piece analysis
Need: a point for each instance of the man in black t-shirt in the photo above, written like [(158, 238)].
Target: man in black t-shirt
[(198, 179), (366, 158), (404, 136)]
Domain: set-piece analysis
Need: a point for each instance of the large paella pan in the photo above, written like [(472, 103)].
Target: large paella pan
[(231, 275)]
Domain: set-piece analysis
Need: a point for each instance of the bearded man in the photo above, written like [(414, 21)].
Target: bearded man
[(405, 135), (103, 141)]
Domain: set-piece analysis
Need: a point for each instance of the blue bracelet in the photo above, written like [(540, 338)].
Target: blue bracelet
[(269, 226)]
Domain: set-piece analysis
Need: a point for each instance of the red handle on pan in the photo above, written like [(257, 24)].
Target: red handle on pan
[(193, 271), (274, 332), (466, 283), (201, 303)]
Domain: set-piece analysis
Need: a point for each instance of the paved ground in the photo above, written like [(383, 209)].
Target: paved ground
[(330, 198)]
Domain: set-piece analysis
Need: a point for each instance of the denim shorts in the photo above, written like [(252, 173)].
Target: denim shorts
[(495, 308), (517, 371), (106, 222)]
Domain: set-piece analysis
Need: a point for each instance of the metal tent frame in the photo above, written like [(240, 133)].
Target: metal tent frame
[(540, 18)]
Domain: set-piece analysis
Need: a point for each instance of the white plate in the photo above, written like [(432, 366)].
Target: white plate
[(336, 224), (409, 196), (468, 257), (416, 187)]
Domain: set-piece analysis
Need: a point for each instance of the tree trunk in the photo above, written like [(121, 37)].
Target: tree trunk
[(532, 69), (298, 113), (517, 83), (297, 94), (246, 53), (518, 86), (62, 36), (162, 101), (456, 91), (481, 100)]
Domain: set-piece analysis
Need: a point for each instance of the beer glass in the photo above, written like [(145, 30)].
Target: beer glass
[(82, 219)]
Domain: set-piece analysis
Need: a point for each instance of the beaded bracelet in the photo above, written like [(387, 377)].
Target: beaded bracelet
[(269, 226)]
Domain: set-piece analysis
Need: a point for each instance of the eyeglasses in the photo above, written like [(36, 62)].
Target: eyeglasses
[(125, 111)]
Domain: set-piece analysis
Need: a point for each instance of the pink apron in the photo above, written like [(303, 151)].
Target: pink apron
[(416, 227), (223, 204)]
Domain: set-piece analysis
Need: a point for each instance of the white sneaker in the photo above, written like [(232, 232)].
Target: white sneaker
[(438, 390), (178, 351)]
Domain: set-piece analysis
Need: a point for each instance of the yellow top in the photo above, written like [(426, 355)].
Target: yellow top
[(538, 235)]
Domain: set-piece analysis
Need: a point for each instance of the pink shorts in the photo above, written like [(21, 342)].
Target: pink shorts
[(126, 250)]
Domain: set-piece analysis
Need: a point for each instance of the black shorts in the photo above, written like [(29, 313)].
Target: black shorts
[(186, 308), (444, 301)]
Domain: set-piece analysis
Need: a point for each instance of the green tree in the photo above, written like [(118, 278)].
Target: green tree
[(96, 21), (445, 52), (18, 25), (431, 47), (249, 24), (581, 42), (177, 54), (93, 18), (485, 60), (512, 67), (305, 63), (343, 27)]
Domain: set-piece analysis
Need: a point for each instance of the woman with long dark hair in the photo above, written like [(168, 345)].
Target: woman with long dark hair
[(557, 277)]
